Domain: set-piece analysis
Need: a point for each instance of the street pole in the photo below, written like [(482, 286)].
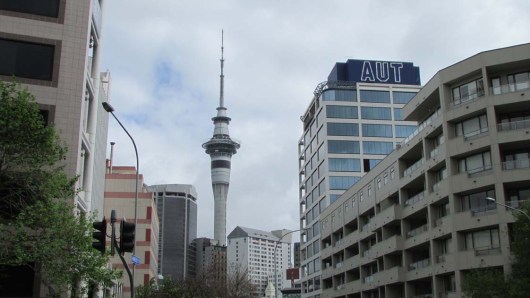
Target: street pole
[(509, 207), (110, 110), (275, 261)]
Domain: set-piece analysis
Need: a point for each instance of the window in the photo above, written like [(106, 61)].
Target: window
[(398, 114), (377, 130), (382, 148), (385, 178), (370, 164), (402, 97), (520, 81), (378, 183), (472, 126), (26, 59), (375, 96), (47, 8), (343, 147), (516, 159), (361, 196), (376, 113), (343, 129), (476, 202), (484, 240), (496, 86), (403, 131), (344, 165), (342, 182), (339, 95), (392, 173), (346, 112), (475, 163), (468, 91), (369, 190)]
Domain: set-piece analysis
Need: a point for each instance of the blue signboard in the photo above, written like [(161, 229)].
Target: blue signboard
[(370, 71), (135, 260)]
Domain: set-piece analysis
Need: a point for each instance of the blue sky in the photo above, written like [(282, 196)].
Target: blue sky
[(164, 61)]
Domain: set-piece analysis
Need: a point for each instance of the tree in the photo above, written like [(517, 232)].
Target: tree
[(489, 282), (38, 226)]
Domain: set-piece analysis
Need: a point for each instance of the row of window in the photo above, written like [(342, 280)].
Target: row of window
[(26, 59), (375, 96), (369, 130), (367, 113), (47, 8)]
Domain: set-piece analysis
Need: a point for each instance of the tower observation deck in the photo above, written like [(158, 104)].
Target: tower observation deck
[(220, 148)]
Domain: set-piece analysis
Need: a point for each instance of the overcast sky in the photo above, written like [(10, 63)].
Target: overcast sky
[(163, 56)]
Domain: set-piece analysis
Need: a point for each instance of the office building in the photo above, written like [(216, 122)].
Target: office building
[(120, 195), (420, 220), (221, 148), (262, 254), (353, 121), (210, 260), (177, 213), (53, 49)]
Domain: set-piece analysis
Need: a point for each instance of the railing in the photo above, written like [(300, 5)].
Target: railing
[(484, 168), (439, 222), (369, 279), (516, 204), (516, 164), (481, 251), (436, 186), (469, 98), (421, 126), (484, 210), (339, 287), (470, 135), (365, 228), (367, 253), (513, 125), (509, 88), (440, 259), (420, 264), (338, 265), (338, 242), (417, 231), (413, 200), (413, 167), (434, 152)]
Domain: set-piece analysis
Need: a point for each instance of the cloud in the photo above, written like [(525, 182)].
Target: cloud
[(164, 60)]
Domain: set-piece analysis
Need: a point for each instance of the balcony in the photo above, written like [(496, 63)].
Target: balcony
[(516, 204), (484, 210), (421, 127), (415, 199), (368, 279), (440, 259), (417, 231), (515, 125), (434, 152), (516, 164), (420, 264), (408, 171), (509, 88), (485, 251), (473, 96)]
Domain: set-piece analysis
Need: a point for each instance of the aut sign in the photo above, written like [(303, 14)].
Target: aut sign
[(370, 71)]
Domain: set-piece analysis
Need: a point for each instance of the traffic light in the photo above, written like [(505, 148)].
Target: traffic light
[(100, 235), (126, 236)]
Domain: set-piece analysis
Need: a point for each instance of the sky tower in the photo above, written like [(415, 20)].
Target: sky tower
[(220, 148)]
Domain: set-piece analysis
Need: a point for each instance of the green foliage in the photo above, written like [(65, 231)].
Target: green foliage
[(38, 226), (484, 283)]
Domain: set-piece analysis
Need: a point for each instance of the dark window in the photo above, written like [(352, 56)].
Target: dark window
[(346, 112), (375, 96), (47, 8), (343, 129), (403, 97), (344, 165), (343, 147), (339, 95), (26, 59), (377, 147), (377, 130), (376, 113), (369, 164)]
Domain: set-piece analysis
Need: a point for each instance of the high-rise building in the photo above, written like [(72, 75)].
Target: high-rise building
[(220, 148), (210, 260), (120, 196), (177, 213), (262, 255), (353, 121), (425, 215), (53, 49)]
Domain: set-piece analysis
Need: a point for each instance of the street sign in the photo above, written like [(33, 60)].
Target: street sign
[(135, 260)]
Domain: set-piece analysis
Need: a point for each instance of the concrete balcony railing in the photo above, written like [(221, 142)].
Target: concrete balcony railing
[(416, 198), (417, 231), (408, 171), (513, 125), (516, 164), (420, 264), (509, 88)]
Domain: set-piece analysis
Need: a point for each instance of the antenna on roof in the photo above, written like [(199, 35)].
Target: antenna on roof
[(222, 77)]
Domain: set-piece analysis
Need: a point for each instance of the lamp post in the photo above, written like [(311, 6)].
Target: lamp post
[(509, 207), (110, 110), (276, 264)]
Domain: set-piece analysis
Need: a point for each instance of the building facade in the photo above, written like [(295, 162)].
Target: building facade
[(177, 213), (262, 254), (120, 196), (419, 221), (353, 121), (210, 260), (53, 48)]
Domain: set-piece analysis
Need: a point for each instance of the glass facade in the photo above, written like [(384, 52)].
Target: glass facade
[(343, 147), (339, 95), (344, 165), (346, 112), (343, 129), (377, 147), (376, 113), (403, 131), (342, 182), (26, 59), (402, 97), (377, 130), (375, 96)]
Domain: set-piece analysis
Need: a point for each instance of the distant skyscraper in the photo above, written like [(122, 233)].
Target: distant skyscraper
[(220, 148), (177, 212)]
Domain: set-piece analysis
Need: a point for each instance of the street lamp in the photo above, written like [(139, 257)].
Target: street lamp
[(276, 263), (509, 207), (110, 110)]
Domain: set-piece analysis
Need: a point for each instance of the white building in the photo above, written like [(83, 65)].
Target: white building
[(352, 122), (253, 251)]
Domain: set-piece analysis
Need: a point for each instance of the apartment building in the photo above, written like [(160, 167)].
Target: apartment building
[(353, 121), (263, 255), (419, 221), (120, 182)]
